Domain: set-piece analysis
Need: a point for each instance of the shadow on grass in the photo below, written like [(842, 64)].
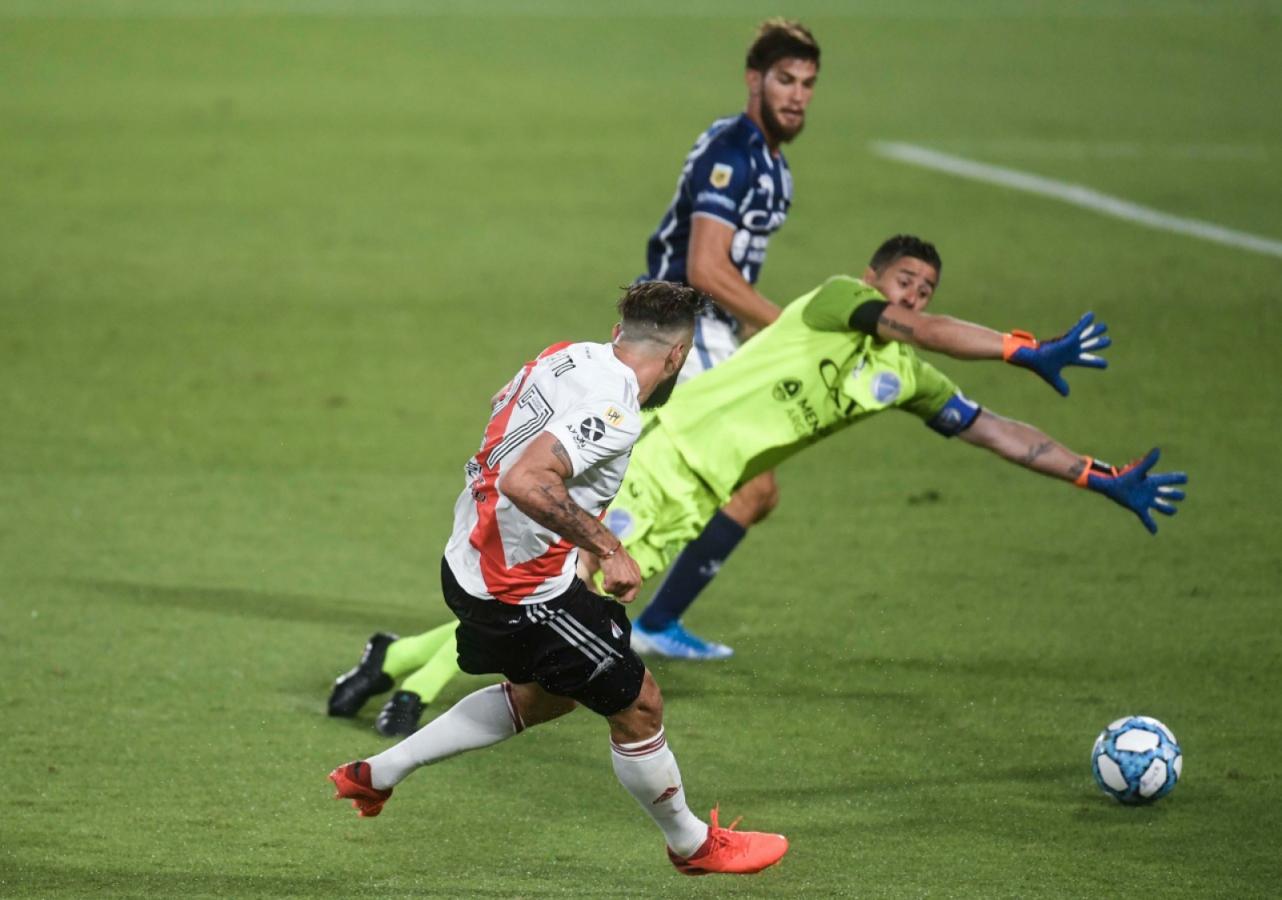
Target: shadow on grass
[(865, 785), (48, 881), (271, 605), (45, 881), (1000, 667)]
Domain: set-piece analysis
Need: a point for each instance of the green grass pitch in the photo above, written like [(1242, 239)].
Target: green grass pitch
[(263, 263)]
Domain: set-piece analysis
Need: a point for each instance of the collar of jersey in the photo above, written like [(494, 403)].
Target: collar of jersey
[(624, 368)]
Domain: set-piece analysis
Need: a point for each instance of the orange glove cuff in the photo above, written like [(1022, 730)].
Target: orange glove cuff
[(1080, 480), (1014, 341)]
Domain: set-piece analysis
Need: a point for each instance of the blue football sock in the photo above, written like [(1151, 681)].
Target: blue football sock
[(694, 569)]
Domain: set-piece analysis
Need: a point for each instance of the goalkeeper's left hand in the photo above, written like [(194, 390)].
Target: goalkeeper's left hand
[(1047, 358), (1133, 487)]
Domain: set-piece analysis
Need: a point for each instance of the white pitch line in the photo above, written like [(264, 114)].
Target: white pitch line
[(1077, 195)]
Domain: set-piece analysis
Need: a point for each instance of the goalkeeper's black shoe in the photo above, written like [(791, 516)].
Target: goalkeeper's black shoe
[(399, 716), (353, 688)]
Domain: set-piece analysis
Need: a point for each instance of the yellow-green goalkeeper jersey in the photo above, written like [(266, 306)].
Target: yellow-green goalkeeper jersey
[(806, 376)]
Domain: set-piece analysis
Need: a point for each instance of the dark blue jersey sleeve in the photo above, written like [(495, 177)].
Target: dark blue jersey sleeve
[(719, 180)]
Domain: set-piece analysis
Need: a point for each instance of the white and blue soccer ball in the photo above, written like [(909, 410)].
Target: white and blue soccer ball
[(1136, 759)]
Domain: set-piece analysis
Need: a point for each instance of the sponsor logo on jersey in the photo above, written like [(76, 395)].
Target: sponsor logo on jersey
[(803, 417), (787, 389), (616, 631), (613, 416), (886, 387), (592, 429), (721, 174), (764, 220)]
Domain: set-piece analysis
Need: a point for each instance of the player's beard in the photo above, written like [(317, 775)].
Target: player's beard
[(776, 131), (662, 391)]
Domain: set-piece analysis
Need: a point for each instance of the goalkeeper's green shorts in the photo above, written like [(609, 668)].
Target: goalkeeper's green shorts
[(661, 506)]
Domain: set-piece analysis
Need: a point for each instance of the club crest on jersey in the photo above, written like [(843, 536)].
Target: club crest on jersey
[(786, 389), (613, 416), (886, 387), (721, 175)]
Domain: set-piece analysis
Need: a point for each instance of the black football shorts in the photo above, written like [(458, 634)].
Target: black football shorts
[(575, 645)]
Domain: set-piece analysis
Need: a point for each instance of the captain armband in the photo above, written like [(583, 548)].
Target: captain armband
[(958, 414), (866, 316)]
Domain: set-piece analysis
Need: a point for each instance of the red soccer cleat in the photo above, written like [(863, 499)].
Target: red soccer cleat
[(732, 852), (352, 781)]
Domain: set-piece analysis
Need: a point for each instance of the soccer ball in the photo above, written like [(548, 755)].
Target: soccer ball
[(1136, 760)]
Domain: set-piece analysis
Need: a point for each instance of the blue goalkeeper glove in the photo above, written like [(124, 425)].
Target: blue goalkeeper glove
[(1047, 358), (1133, 487)]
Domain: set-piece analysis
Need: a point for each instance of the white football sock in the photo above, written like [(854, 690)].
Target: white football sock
[(649, 771), (478, 720)]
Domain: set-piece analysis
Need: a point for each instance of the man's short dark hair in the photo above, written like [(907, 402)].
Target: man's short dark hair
[(902, 245), (662, 305), (781, 39)]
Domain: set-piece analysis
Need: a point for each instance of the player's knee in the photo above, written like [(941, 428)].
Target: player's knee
[(767, 500), (756, 499), (643, 718)]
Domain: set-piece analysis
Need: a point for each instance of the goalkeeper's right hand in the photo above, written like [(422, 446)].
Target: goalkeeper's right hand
[(1047, 358), (1133, 487)]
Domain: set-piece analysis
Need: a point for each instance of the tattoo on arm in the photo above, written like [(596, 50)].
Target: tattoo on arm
[(1076, 469), (550, 505), (905, 330), (559, 452), (1036, 451)]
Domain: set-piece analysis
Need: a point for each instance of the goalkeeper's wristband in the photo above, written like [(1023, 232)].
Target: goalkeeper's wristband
[(1015, 341), (1094, 467)]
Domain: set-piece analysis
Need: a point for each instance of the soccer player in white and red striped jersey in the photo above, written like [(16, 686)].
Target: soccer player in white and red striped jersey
[(552, 459)]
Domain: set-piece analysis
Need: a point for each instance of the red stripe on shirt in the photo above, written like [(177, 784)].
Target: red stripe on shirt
[(510, 584)]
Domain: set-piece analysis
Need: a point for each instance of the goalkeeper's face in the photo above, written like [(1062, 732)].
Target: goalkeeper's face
[(907, 282)]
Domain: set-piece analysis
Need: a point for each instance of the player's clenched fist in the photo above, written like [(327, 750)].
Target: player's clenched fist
[(620, 575)]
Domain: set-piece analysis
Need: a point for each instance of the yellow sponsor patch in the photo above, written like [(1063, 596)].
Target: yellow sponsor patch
[(613, 416), (721, 174)]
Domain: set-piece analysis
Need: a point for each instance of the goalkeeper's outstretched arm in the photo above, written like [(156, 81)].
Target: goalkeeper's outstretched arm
[(848, 304), (1079, 346), (1131, 486)]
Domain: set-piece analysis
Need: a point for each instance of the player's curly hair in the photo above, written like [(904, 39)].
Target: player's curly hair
[(902, 245), (779, 38), (661, 305)]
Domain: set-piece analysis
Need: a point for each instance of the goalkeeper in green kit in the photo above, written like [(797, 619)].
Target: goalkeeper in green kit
[(837, 356)]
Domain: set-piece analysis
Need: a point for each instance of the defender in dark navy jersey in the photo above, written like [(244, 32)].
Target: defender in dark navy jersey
[(733, 193)]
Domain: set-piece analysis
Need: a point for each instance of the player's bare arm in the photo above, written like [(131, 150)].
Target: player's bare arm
[(1133, 486), (536, 486), (710, 271), (940, 334), (1079, 346), (1023, 444)]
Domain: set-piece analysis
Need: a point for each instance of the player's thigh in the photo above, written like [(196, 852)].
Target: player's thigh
[(754, 500), (535, 705)]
